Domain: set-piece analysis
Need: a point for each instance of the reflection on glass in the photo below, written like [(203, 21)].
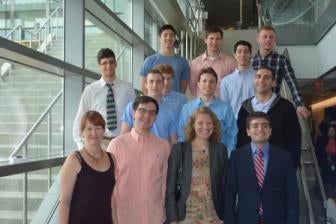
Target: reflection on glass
[(97, 38), (25, 94), (150, 31), (35, 24), (122, 8)]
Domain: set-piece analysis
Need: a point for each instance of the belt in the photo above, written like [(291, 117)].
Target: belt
[(107, 138)]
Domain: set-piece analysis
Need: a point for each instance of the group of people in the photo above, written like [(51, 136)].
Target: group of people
[(228, 155)]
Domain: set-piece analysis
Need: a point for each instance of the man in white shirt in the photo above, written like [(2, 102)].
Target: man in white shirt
[(102, 94), (239, 85)]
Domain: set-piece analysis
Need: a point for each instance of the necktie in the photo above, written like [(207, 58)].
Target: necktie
[(111, 116), (260, 173)]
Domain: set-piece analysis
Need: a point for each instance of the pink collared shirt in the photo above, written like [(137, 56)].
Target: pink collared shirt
[(223, 65), (140, 172)]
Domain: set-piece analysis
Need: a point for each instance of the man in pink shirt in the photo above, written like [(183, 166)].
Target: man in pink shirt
[(212, 57), (140, 169)]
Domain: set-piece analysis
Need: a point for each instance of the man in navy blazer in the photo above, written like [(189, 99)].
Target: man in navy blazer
[(249, 200)]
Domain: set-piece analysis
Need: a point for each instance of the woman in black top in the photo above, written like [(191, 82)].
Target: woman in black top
[(87, 178)]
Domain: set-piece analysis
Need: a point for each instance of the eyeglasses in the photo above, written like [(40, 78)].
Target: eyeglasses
[(105, 63), (143, 111)]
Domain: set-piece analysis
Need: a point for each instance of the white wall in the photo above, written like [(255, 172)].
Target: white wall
[(312, 61)]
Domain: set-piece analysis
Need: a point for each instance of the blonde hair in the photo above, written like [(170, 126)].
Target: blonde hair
[(190, 130)]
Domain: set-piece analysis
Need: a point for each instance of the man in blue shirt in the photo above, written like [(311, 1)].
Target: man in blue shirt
[(165, 123), (167, 55), (260, 184), (174, 99), (239, 85), (207, 83)]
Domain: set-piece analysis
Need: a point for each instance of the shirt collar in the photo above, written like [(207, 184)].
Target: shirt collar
[(103, 82), (256, 101), (265, 148), (266, 56), (200, 102), (205, 56), (139, 138)]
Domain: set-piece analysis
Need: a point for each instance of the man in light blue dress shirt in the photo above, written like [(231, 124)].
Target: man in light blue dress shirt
[(166, 120), (207, 82), (175, 100), (239, 85)]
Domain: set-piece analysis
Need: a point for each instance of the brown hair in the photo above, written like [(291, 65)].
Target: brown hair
[(256, 115), (190, 130), (93, 117), (208, 70), (165, 69), (213, 29), (266, 27)]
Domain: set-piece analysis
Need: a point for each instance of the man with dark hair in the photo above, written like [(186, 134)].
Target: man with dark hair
[(238, 86), (286, 131), (280, 64), (166, 121), (260, 185), (141, 161), (167, 55), (212, 57), (109, 96), (207, 82)]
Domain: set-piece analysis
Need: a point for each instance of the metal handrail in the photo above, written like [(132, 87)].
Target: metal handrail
[(35, 126), (13, 30), (47, 20), (310, 146)]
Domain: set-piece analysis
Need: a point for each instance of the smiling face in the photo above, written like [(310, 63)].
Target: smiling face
[(213, 42), (266, 40), (243, 55), (167, 39), (203, 126), (144, 116), (92, 134), (259, 130), (207, 85), (264, 81), (154, 85), (107, 67)]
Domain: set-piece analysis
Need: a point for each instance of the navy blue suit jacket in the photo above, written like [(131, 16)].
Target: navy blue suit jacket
[(279, 194)]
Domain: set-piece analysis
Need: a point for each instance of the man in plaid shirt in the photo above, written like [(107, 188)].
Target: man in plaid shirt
[(281, 66)]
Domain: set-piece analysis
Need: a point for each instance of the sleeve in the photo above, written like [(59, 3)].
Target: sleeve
[(185, 75), (292, 192), (84, 106), (193, 79), (293, 135), (173, 164), (182, 123), (146, 66), (224, 94), (173, 123), (242, 138), (291, 81), (230, 189), (127, 116), (229, 124)]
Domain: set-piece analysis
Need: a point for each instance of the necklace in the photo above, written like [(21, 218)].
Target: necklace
[(96, 159)]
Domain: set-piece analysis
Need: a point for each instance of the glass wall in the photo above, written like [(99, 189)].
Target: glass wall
[(25, 95), (98, 36), (122, 8), (35, 24)]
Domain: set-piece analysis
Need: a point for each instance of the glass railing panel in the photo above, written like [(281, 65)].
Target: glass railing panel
[(25, 94), (98, 36), (22, 194), (122, 8), (311, 18)]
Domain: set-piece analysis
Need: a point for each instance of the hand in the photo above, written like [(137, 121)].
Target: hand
[(302, 112)]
